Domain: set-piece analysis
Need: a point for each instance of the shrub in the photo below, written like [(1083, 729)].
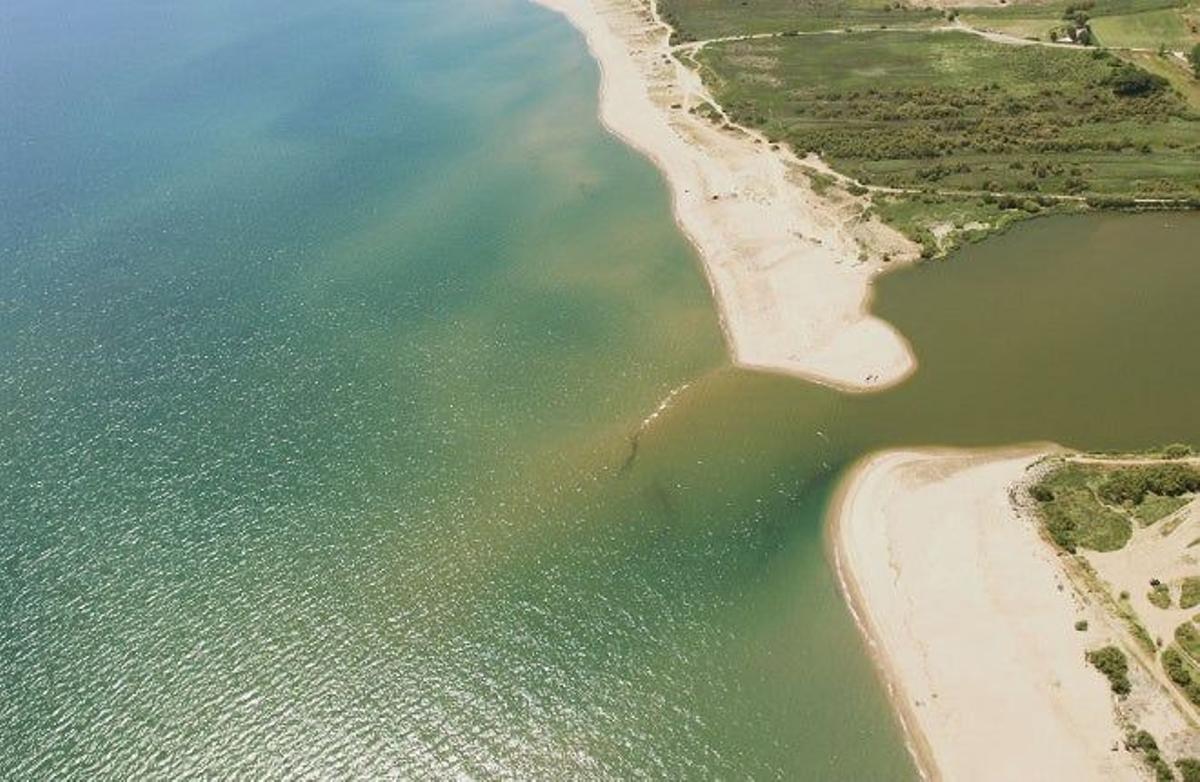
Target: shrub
[(1188, 639), (1041, 493), (1133, 484), (1189, 769), (1189, 593), (1143, 741), (1176, 670), (1131, 81), (1111, 662)]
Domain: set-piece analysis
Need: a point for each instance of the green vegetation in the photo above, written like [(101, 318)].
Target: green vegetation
[(940, 223), (1146, 30), (1188, 639), (1131, 81), (1159, 596), (1141, 741), (1189, 593), (1130, 485), (1073, 514), (1081, 625), (695, 20), (949, 111), (1137, 630), (1111, 662), (1153, 507), (1165, 452), (1181, 79), (1062, 9), (984, 133), (1146, 24), (975, 134), (1195, 59), (1094, 505), (1182, 672)]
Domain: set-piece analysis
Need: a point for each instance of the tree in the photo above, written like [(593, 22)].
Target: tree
[(1196, 60), (1130, 81)]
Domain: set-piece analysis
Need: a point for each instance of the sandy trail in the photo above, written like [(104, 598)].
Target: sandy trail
[(790, 271), (968, 617), (1133, 461)]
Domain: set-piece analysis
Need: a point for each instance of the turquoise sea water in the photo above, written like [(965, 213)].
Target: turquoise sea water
[(327, 334)]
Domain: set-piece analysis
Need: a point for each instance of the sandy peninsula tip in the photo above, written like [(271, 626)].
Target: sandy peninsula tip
[(790, 270)]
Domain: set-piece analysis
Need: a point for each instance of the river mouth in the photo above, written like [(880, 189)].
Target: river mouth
[(313, 421)]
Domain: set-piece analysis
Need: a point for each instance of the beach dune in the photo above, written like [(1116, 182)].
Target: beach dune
[(790, 270), (971, 622)]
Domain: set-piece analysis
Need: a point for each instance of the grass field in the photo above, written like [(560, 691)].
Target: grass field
[(1142, 24), (948, 110), (1035, 27), (702, 19), (1057, 8), (947, 116), (1146, 30)]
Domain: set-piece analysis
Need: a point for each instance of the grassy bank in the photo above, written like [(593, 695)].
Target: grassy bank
[(957, 135), (978, 134), (949, 111)]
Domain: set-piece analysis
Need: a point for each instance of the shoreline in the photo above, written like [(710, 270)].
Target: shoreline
[(915, 740), (790, 271), (971, 618)]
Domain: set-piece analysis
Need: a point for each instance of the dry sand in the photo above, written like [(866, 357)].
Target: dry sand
[(971, 620), (1159, 552), (783, 263)]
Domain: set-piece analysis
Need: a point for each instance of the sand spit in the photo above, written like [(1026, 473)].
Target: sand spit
[(971, 620), (790, 270)]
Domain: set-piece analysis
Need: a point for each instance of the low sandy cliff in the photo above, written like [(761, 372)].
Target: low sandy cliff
[(790, 270)]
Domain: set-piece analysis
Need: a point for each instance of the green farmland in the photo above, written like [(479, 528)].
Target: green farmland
[(952, 111), (702, 19)]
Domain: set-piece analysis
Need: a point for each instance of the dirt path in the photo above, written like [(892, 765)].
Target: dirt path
[(1132, 461), (692, 47)]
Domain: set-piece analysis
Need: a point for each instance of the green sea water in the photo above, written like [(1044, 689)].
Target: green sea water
[(330, 339)]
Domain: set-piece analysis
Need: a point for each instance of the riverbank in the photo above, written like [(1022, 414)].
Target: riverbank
[(790, 269), (970, 621)]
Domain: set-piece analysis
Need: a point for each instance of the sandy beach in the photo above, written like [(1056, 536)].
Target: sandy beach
[(971, 621), (790, 270)]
